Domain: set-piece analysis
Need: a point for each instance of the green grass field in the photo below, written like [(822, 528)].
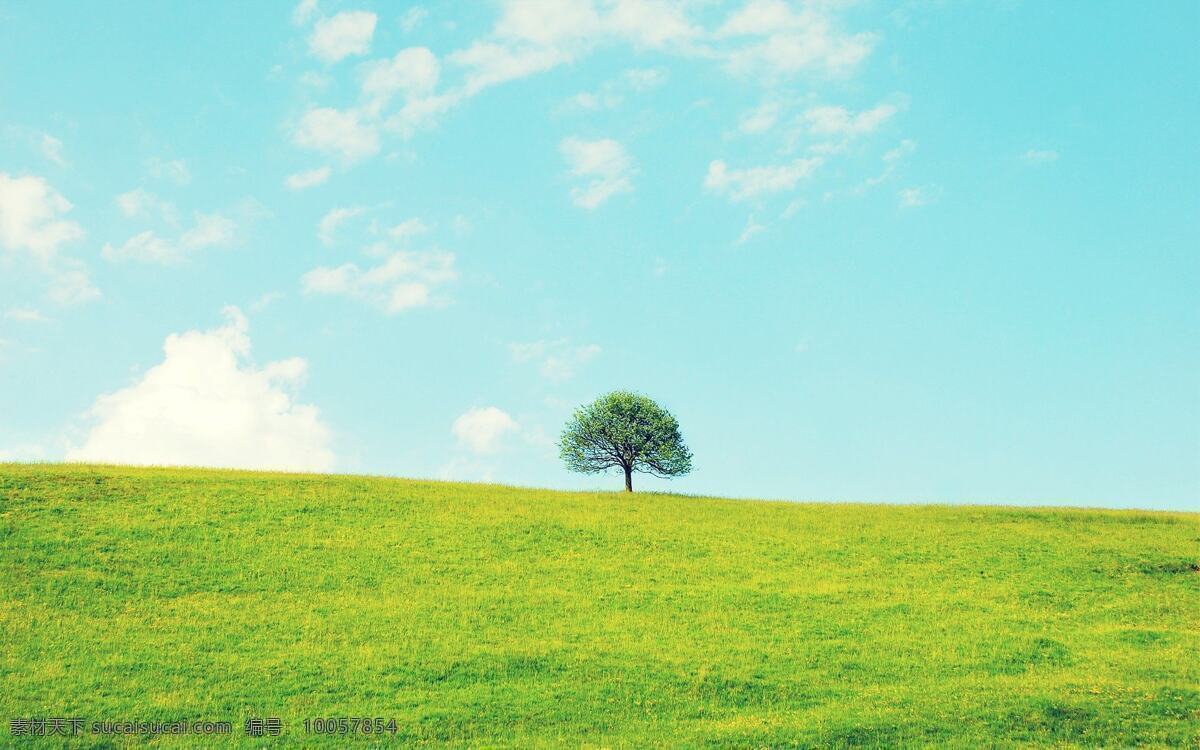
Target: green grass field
[(492, 616)]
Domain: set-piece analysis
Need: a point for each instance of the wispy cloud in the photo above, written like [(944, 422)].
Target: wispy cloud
[(556, 360), (604, 166), (1039, 156), (345, 34), (751, 182), (402, 281), (307, 179)]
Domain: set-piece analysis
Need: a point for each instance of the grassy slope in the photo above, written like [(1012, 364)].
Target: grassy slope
[(496, 616)]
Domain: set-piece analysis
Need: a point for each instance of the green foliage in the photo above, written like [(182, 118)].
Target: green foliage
[(489, 616), (627, 431)]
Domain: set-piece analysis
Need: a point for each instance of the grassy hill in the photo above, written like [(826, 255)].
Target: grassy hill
[(491, 616)]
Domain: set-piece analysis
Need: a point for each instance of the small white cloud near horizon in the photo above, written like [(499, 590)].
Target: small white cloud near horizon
[(204, 404), (307, 179), (340, 36), (603, 164), (1039, 156), (481, 430)]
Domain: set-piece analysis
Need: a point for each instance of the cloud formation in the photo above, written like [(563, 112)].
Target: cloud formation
[(206, 405), (604, 166), (403, 280), (751, 182), (207, 230), (308, 179), (345, 34), (556, 360), (339, 133), (33, 226), (481, 430)]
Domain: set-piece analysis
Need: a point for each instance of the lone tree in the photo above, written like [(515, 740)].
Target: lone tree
[(627, 430)]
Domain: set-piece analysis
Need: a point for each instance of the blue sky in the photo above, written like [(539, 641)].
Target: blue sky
[(869, 251)]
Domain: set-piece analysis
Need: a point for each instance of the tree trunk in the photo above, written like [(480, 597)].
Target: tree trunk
[(629, 479)]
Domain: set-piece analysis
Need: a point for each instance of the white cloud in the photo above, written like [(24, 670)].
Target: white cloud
[(140, 203), (342, 133), (481, 430), (208, 230), (831, 120), (333, 219), (412, 18), (612, 93), (315, 80), (651, 23), (488, 64), (31, 217), (24, 315), (413, 71), (742, 184), (765, 38), (788, 41), (175, 170), (1036, 156), (421, 112), (760, 119), (914, 197), (205, 404), (752, 228), (402, 281), (906, 147), (264, 301), (408, 229), (547, 22), (33, 225), (304, 11), (71, 285), (52, 149), (556, 360), (642, 80), (577, 23), (347, 33), (605, 166), (305, 180), (532, 36)]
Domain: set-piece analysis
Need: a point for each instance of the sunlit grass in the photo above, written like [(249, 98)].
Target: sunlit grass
[(491, 616)]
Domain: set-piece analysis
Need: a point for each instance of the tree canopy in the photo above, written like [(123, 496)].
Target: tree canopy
[(624, 430)]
